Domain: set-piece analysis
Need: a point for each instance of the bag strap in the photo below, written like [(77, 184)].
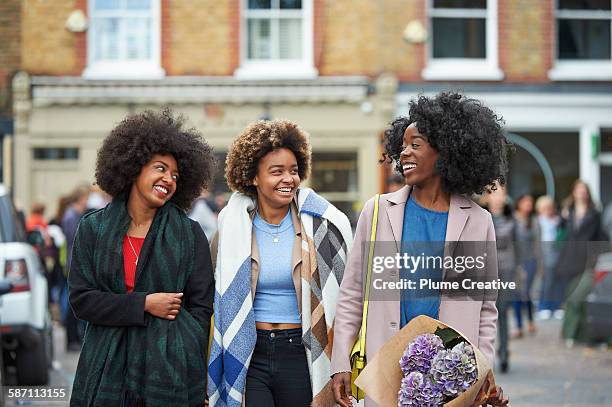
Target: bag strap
[(366, 300)]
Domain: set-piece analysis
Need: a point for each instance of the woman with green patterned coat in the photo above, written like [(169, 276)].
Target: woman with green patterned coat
[(141, 274)]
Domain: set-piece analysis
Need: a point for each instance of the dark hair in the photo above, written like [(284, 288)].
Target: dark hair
[(259, 139), (468, 137), (520, 198), (518, 202), (138, 137), (62, 204), (396, 179), (568, 202), (38, 208)]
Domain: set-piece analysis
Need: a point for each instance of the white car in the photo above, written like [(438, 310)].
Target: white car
[(25, 324)]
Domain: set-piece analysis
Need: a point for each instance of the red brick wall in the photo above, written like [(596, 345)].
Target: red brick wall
[(199, 37), (202, 37), (318, 6), (234, 40), (410, 69), (525, 39), (10, 50), (81, 42), (166, 35)]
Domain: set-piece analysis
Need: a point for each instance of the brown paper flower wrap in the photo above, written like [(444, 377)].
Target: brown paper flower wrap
[(381, 378)]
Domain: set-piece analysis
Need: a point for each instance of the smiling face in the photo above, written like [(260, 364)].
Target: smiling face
[(418, 157), (277, 178), (157, 180)]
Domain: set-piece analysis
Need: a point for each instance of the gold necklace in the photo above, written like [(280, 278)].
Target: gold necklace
[(133, 250)]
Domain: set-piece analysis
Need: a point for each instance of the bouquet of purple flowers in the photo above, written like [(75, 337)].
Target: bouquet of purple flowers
[(433, 373), (437, 367)]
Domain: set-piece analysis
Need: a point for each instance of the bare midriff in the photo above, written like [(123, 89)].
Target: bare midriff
[(268, 326)]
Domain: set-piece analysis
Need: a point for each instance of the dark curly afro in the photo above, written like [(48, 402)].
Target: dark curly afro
[(257, 140), (473, 149), (138, 137)]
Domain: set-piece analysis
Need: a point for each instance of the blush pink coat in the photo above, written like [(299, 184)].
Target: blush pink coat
[(475, 319)]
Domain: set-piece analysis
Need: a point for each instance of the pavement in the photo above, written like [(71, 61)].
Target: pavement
[(62, 374), (543, 371)]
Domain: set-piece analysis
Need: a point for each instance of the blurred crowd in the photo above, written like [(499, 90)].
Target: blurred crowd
[(550, 250)]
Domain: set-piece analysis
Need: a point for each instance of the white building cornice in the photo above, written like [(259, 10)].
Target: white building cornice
[(50, 91), (536, 110)]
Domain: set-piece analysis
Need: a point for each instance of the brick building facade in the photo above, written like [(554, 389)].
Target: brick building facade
[(342, 68), (10, 62)]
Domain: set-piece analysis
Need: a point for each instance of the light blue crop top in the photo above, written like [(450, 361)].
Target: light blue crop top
[(275, 298)]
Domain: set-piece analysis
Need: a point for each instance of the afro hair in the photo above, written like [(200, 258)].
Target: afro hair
[(134, 141), (469, 138), (257, 140)]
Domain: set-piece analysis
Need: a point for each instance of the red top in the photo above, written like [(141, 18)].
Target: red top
[(36, 221), (130, 253)]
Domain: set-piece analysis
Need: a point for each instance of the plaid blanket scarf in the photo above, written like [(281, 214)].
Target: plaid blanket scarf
[(326, 239)]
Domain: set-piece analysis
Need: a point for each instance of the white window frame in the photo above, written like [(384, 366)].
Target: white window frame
[(577, 69), (123, 69), (485, 69), (277, 68)]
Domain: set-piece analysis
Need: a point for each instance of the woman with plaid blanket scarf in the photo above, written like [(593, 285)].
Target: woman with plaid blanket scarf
[(279, 253)]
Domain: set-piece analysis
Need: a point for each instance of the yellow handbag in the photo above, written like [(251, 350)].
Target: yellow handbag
[(358, 356)]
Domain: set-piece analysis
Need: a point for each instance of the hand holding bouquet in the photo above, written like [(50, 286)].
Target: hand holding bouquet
[(434, 374), (437, 367)]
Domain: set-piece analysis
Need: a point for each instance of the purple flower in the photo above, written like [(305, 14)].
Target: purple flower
[(454, 370), (418, 390), (420, 353)]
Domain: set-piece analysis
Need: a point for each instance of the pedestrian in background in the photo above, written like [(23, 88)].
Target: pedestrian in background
[(36, 220), (551, 292), (202, 213), (219, 202), (527, 234), (97, 199), (280, 255), (505, 231), (583, 226), (75, 329), (607, 220), (43, 237), (60, 279), (141, 273), (395, 183)]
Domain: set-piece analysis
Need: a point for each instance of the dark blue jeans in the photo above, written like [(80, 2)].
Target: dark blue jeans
[(278, 373), (553, 286), (530, 267)]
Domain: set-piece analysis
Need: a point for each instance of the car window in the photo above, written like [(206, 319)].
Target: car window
[(11, 230)]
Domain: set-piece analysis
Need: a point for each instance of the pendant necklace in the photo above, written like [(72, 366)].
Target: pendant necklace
[(276, 234), (133, 250)]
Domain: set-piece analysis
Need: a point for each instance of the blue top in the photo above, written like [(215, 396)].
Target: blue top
[(423, 234), (275, 298)]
